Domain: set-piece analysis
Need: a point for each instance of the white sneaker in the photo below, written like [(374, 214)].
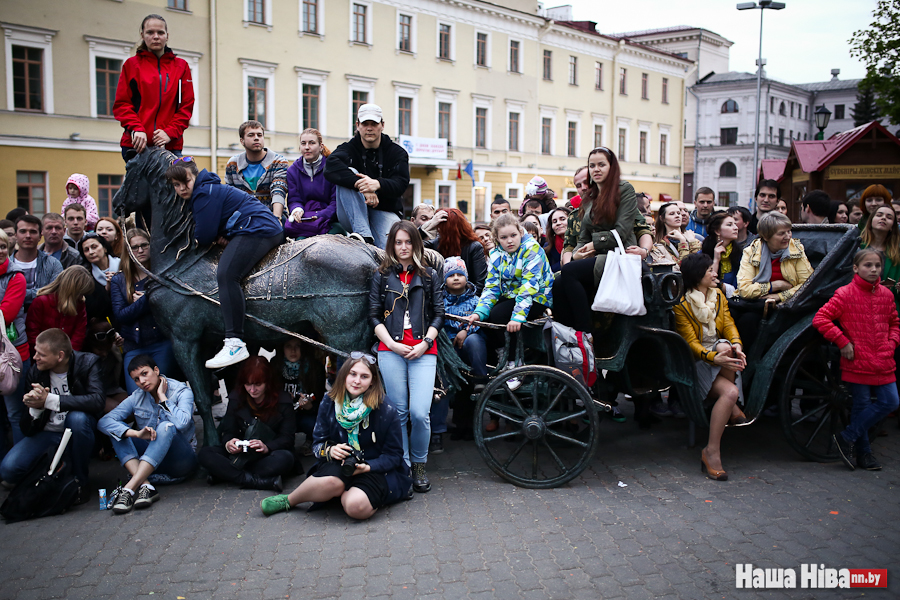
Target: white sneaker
[(234, 351), (514, 383)]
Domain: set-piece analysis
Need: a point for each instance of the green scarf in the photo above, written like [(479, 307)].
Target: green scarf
[(350, 414)]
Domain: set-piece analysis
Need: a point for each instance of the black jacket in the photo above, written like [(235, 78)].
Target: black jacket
[(282, 422), (472, 254), (134, 322), (425, 303), (389, 164), (85, 385)]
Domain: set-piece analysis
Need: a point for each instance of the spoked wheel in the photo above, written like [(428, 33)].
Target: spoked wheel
[(551, 427), (815, 403)]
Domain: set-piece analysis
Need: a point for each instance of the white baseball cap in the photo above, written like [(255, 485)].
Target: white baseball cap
[(370, 112)]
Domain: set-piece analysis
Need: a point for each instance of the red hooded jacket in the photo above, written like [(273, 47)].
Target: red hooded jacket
[(868, 317), (154, 93)]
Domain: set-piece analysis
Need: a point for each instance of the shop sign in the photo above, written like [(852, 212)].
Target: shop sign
[(863, 172)]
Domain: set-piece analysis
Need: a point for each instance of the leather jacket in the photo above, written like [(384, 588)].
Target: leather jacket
[(424, 302), (86, 393)]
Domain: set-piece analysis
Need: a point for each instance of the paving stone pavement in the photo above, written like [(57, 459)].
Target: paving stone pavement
[(671, 533)]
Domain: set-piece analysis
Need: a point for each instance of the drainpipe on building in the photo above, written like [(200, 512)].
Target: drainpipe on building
[(214, 90), (542, 31), (615, 93)]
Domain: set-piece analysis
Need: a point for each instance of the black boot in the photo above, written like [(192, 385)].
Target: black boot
[(253, 481), (420, 479), (437, 444)]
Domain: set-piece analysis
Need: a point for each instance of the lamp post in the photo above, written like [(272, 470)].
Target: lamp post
[(761, 5), (823, 115)]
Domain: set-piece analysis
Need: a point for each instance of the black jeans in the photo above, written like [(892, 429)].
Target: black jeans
[(501, 314), (217, 461), (573, 293), (242, 253)]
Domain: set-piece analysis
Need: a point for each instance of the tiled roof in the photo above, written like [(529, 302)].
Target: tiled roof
[(815, 155), (773, 168)]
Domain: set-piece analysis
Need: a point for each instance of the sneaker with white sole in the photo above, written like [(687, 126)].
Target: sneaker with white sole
[(514, 383), (146, 496), (124, 502), (233, 352)]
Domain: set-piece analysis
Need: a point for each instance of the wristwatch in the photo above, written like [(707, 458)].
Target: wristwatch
[(428, 341)]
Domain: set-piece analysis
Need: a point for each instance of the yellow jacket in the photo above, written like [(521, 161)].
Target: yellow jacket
[(690, 328), (795, 270)]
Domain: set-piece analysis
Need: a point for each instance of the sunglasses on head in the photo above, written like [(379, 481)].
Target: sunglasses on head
[(101, 336), (362, 355), (183, 158)]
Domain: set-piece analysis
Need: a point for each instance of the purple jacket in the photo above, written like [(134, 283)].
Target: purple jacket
[(316, 196)]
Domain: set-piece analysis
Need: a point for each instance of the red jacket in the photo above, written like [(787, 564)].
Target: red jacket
[(12, 302), (154, 93), (868, 317), (43, 315)]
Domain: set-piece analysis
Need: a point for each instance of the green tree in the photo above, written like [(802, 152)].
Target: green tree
[(878, 47), (865, 110)]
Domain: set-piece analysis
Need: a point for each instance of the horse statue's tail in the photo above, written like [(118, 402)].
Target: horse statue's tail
[(450, 367)]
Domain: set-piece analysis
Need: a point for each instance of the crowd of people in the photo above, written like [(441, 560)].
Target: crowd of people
[(94, 359)]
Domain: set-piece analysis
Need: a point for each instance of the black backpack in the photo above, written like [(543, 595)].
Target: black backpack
[(40, 494)]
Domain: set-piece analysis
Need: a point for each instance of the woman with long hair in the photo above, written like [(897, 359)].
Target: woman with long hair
[(61, 305), (671, 241), (872, 197), (722, 231), (457, 238), (312, 204), (356, 421), (155, 94), (881, 232), (406, 309), (557, 222), (839, 213), (261, 414), (96, 252), (108, 228)]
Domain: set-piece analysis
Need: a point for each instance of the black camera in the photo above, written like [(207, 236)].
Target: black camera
[(348, 466)]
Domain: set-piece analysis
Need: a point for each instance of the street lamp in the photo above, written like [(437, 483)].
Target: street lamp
[(761, 5), (823, 115)]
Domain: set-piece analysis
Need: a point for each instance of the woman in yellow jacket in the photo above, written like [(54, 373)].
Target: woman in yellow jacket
[(703, 320), (774, 266)]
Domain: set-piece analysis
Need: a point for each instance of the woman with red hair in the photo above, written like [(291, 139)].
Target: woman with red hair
[(874, 196), (457, 238), (258, 427)]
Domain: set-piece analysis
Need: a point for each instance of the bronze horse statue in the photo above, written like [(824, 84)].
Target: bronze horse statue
[(320, 284)]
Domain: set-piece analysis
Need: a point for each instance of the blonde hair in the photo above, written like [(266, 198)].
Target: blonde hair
[(318, 134), (373, 397), (770, 223), (130, 270), (891, 241), (70, 288), (505, 220), (4, 238)]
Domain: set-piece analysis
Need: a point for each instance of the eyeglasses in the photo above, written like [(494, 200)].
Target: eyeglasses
[(102, 335), (139, 247), (362, 355), (183, 158)]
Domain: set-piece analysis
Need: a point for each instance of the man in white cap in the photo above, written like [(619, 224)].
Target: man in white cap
[(371, 173)]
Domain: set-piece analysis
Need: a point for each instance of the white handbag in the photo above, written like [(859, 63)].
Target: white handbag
[(620, 289), (10, 362)]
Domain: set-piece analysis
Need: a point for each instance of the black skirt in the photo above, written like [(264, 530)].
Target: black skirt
[(373, 484)]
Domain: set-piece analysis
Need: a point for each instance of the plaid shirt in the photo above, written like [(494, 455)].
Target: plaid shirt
[(271, 187), (524, 275)]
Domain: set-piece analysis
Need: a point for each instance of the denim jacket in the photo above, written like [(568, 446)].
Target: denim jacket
[(147, 412)]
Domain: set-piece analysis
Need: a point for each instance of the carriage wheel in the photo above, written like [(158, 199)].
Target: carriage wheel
[(551, 431), (814, 402)]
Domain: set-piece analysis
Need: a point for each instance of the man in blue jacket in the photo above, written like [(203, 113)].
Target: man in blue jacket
[(238, 222)]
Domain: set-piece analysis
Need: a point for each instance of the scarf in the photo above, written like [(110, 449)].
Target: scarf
[(350, 414), (765, 261), (291, 371), (312, 167), (725, 260), (704, 310)]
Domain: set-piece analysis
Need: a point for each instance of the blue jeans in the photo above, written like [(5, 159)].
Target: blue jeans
[(161, 352), (866, 414), (170, 454), (474, 354), (14, 406), (410, 386), (20, 458), (355, 216)]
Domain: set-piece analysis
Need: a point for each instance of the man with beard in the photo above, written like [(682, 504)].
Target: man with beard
[(258, 171)]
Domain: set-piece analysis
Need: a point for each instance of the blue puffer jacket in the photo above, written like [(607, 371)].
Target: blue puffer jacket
[(381, 443), (221, 210), (461, 305)]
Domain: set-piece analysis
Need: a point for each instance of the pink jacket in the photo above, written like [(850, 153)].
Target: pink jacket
[(84, 198), (868, 319)]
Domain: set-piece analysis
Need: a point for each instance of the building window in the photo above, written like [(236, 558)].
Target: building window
[(31, 192), (359, 23), (255, 11), (598, 136), (481, 128), (443, 196), (107, 70), (728, 198), (806, 113), (772, 105), (791, 134), (642, 156), (28, 78), (663, 148), (645, 86), (546, 135), (573, 70), (514, 119), (792, 110), (838, 111), (598, 76), (782, 110), (444, 109), (730, 106), (311, 106), (107, 186), (781, 137), (728, 136), (514, 56), (665, 90), (770, 135), (572, 138), (404, 115), (311, 16), (481, 52), (178, 4), (623, 81), (444, 42), (623, 139), (358, 99), (256, 99), (728, 169), (405, 43), (548, 62)]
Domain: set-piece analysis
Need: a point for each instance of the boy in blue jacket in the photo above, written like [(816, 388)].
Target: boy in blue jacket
[(238, 222)]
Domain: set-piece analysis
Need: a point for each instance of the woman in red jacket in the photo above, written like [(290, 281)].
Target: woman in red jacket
[(12, 303), (869, 333), (61, 304), (155, 95)]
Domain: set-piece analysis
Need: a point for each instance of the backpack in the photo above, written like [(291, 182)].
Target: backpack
[(40, 494), (570, 351)]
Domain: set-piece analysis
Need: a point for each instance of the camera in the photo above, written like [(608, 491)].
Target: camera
[(348, 466), (245, 444)]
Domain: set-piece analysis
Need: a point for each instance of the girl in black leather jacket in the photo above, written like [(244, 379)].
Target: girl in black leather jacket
[(406, 309)]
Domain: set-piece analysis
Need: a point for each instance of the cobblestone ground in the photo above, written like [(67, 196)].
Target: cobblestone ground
[(671, 533)]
